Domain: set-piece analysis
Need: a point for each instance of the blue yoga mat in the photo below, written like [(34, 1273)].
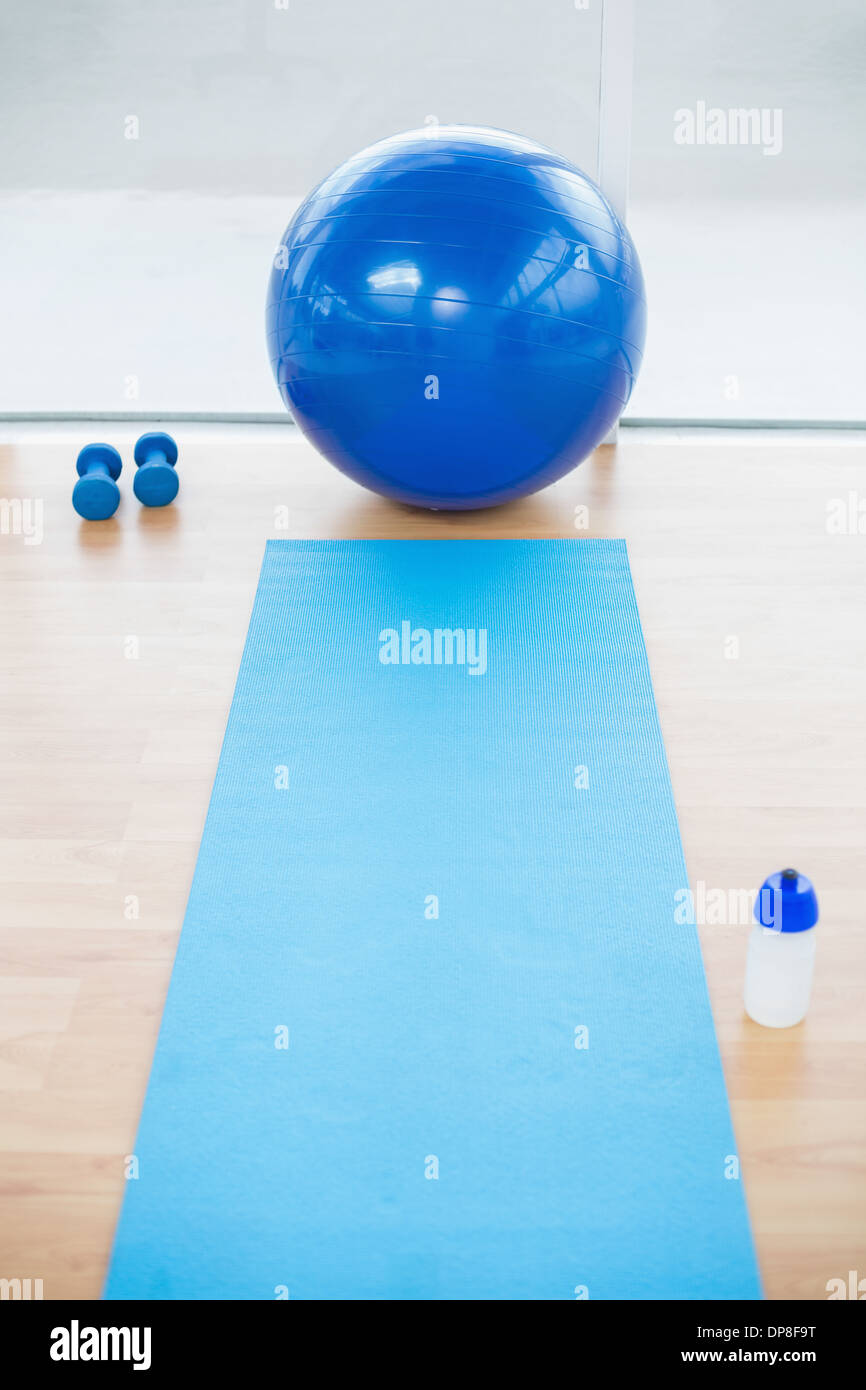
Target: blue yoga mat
[(435, 1029)]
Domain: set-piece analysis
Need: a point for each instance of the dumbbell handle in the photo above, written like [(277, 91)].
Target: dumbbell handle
[(97, 466), (155, 456)]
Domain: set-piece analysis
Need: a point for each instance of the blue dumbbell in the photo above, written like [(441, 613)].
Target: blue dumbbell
[(156, 481), (96, 494)]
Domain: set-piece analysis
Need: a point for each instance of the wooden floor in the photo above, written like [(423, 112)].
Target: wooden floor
[(120, 647)]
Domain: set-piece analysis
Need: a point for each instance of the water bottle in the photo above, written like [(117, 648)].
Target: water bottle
[(781, 951)]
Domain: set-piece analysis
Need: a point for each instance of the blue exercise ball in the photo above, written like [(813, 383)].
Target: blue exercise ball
[(456, 317)]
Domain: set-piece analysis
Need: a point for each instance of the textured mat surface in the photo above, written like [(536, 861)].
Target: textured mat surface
[(435, 1028)]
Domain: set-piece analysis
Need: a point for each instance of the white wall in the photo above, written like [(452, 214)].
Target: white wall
[(134, 270), (752, 259), (265, 96)]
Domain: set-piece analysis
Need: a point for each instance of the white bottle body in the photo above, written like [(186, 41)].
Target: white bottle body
[(779, 976)]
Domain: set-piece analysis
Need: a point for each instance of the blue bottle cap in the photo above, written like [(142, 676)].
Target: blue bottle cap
[(787, 902)]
